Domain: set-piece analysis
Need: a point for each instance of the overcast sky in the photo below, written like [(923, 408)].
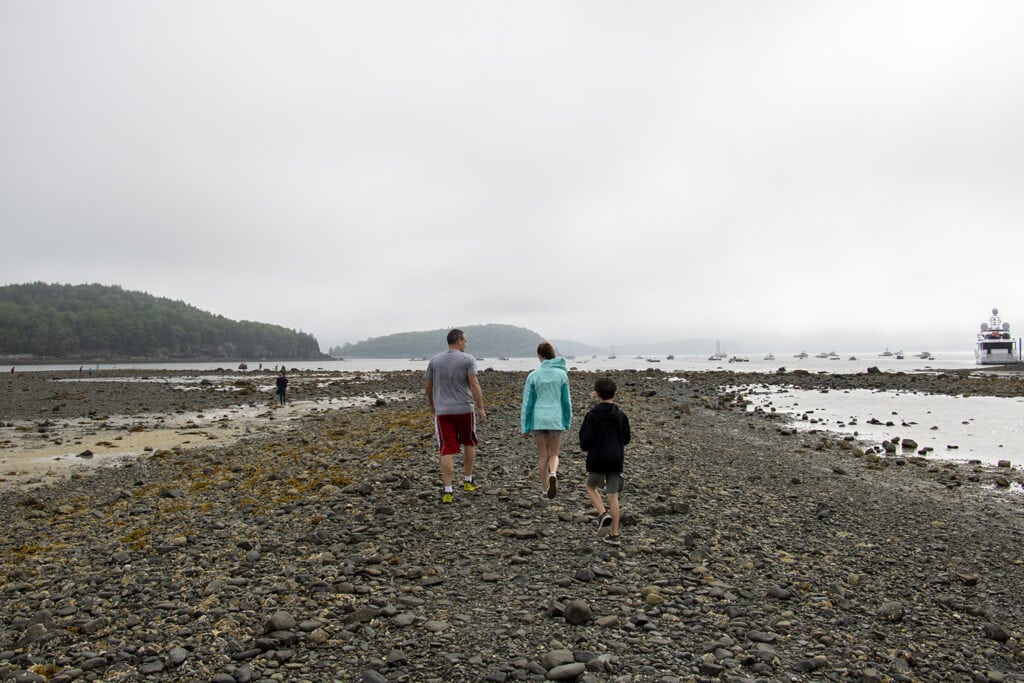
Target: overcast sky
[(791, 174)]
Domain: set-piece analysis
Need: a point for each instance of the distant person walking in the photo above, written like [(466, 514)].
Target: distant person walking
[(603, 436), (455, 398), (282, 387), (546, 413)]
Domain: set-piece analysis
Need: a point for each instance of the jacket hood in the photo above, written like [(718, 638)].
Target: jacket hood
[(557, 362), (606, 411)]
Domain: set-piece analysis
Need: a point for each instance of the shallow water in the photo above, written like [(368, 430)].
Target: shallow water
[(688, 363), (984, 428)]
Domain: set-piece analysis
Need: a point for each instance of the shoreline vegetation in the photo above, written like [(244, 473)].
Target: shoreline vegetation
[(103, 321), (311, 545)]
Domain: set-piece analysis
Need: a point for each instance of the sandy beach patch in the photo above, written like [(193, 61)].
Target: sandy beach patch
[(33, 453)]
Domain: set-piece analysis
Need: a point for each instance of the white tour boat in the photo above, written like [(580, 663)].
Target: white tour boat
[(995, 345)]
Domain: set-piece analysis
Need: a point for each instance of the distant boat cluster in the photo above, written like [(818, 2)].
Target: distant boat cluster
[(994, 345)]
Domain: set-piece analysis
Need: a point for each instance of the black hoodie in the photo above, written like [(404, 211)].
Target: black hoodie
[(604, 435)]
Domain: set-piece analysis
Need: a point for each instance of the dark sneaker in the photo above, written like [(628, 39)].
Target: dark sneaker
[(447, 497), (469, 486), (552, 485), (611, 540), (604, 523)]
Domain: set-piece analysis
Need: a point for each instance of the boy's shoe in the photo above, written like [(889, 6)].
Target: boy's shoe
[(469, 486), (604, 523), (552, 485), (543, 495), (447, 497), (611, 540)]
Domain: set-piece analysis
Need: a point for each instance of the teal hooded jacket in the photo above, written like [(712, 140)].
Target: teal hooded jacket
[(546, 400)]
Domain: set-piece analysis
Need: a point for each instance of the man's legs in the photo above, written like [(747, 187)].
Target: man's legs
[(446, 470), (468, 459), (451, 434)]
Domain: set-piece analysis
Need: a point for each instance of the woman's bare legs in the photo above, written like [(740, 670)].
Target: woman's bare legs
[(547, 456)]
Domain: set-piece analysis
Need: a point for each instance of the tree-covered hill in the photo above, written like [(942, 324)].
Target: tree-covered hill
[(485, 341), (100, 322)]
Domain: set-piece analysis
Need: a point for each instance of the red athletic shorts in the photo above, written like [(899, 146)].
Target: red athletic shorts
[(455, 431)]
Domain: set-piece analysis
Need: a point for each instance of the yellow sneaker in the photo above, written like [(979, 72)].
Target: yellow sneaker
[(469, 486), (447, 497)]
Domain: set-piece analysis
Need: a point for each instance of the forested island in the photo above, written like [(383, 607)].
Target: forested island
[(485, 341), (91, 322)]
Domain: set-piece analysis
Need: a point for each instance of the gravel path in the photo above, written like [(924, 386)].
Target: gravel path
[(321, 551)]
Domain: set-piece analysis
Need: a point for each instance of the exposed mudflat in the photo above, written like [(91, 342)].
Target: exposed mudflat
[(308, 543)]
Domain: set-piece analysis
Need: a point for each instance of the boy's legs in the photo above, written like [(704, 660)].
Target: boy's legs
[(613, 508), (595, 498)]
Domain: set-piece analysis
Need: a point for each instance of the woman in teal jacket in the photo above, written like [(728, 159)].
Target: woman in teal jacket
[(547, 412)]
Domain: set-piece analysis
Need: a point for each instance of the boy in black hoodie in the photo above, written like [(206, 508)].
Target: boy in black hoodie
[(603, 436)]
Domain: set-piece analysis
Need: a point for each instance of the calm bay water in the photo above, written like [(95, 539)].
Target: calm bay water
[(689, 363)]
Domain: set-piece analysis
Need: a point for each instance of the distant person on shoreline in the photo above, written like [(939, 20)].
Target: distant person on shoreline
[(546, 413), (453, 392), (282, 387), (603, 436)]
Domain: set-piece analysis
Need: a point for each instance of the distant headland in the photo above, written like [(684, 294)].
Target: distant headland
[(43, 323)]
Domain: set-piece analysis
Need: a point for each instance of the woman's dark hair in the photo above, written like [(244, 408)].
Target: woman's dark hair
[(605, 388), (546, 351)]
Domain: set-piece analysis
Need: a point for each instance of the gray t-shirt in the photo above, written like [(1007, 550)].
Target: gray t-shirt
[(449, 373)]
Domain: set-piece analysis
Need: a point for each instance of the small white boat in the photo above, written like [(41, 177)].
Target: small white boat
[(770, 357), (738, 359), (801, 355), (995, 345), (887, 353), (925, 355)]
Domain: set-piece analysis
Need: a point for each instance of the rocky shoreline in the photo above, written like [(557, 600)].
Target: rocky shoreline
[(320, 552)]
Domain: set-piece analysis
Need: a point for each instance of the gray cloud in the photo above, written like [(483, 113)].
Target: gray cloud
[(791, 173)]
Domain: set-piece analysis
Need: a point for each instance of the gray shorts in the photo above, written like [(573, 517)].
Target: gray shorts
[(547, 432), (612, 482)]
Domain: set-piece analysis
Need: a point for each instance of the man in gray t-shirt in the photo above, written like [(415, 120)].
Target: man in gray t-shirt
[(453, 392)]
